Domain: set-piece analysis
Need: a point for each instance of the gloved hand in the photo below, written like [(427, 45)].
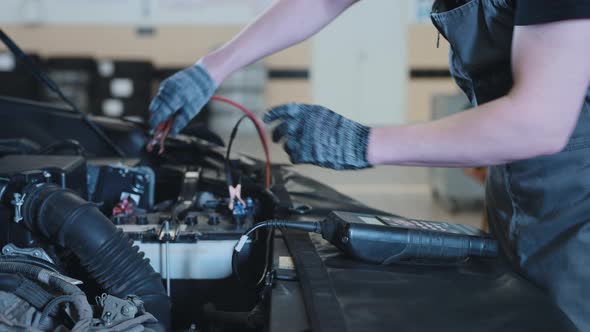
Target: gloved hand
[(315, 135), (183, 94)]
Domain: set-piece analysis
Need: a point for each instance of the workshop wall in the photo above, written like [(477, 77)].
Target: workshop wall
[(419, 74), (359, 63), (144, 13), (169, 46)]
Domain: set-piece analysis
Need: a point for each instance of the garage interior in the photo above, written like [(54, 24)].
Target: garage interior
[(107, 223)]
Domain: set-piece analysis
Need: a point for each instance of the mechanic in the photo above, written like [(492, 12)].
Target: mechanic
[(525, 66)]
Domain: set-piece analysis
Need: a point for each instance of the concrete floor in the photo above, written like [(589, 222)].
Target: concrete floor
[(401, 190)]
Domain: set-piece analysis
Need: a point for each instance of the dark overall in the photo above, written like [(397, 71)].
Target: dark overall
[(538, 208)]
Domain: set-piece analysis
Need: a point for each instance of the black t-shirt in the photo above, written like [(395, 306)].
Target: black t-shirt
[(530, 12)]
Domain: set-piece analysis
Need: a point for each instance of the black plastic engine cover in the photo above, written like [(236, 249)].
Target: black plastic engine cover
[(45, 124)]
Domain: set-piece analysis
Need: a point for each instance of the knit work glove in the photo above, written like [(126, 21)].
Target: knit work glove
[(315, 135), (183, 94)]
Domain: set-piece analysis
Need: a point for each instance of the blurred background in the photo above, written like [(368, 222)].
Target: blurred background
[(379, 64)]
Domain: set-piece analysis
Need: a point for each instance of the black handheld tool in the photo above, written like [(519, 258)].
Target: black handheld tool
[(387, 240)]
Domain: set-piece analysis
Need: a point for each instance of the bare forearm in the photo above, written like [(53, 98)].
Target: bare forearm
[(486, 136), (283, 24), (551, 77)]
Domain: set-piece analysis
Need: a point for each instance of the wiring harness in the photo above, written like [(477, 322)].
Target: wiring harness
[(310, 227)]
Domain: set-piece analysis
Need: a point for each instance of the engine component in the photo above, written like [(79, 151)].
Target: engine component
[(113, 181), (24, 259), (66, 171), (19, 171), (106, 254), (17, 314), (122, 313), (12, 250), (26, 305), (22, 302), (71, 292)]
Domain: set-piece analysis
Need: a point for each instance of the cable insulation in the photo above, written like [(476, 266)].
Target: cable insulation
[(259, 129), (306, 226), (232, 136)]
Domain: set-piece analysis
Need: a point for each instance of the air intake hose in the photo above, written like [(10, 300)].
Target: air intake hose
[(105, 252)]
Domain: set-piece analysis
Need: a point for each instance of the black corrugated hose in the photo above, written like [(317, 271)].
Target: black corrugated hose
[(106, 253)]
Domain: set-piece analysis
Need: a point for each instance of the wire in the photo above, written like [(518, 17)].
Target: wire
[(259, 129), (235, 261), (53, 304), (269, 237), (232, 136), (43, 78), (314, 227), (236, 253), (29, 260), (75, 145)]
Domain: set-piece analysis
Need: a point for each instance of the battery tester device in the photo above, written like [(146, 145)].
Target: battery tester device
[(389, 239)]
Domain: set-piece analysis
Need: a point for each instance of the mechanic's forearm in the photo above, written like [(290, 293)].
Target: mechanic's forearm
[(488, 135), (283, 24)]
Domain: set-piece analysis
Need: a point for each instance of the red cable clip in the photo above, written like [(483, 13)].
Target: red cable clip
[(160, 135)]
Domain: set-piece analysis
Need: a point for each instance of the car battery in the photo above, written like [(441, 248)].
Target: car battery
[(197, 247)]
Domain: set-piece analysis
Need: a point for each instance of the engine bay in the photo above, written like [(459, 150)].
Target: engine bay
[(153, 226)]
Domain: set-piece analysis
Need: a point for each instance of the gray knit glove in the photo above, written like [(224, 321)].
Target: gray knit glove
[(183, 94), (315, 135)]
